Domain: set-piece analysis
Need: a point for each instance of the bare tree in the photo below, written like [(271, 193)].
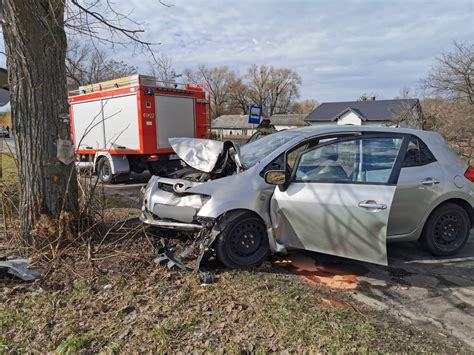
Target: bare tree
[(258, 81), (218, 82), (451, 111), (274, 89), (454, 120), (453, 76), (304, 106), (35, 42), (405, 93), (86, 64), (239, 97), (162, 69)]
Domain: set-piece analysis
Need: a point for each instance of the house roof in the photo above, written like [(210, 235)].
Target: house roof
[(378, 110), (291, 119), (231, 122)]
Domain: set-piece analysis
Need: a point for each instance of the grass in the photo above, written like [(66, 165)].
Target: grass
[(156, 309), (109, 297), (8, 170)]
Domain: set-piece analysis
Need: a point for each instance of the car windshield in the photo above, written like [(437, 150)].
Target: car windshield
[(252, 153)]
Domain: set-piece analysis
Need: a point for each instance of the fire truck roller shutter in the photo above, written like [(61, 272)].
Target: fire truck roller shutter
[(175, 117), (88, 125), (121, 122)]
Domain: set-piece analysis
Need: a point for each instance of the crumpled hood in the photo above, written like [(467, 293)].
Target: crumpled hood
[(203, 154)]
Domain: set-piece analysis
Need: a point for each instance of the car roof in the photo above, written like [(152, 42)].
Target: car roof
[(324, 129)]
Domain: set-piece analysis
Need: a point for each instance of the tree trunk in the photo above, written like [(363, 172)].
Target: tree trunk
[(35, 44)]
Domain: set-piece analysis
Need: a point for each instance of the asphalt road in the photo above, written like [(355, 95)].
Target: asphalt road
[(436, 293)]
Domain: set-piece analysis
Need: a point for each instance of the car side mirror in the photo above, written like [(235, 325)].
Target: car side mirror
[(276, 177)]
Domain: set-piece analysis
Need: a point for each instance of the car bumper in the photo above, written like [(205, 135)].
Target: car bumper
[(149, 218), (164, 207)]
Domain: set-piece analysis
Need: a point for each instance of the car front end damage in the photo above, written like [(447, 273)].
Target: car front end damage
[(166, 204), (170, 203)]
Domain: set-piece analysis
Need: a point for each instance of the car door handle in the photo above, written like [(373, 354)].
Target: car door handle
[(430, 182), (372, 205)]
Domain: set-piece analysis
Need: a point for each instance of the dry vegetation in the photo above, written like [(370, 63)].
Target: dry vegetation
[(104, 293)]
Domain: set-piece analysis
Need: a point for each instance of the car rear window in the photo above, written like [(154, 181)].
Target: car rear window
[(417, 154)]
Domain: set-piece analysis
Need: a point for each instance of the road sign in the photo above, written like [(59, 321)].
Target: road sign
[(255, 113)]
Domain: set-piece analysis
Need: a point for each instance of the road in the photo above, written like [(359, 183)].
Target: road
[(436, 293)]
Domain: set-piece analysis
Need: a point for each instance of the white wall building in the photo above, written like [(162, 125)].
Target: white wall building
[(232, 127), (282, 122), (402, 112)]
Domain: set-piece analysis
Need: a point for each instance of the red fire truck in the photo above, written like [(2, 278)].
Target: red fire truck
[(123, 125)]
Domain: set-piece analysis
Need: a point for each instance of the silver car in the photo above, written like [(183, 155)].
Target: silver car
[(339, 190)]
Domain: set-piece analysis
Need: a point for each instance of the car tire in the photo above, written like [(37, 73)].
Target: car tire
[(243, 241), (446, 230), (104, 171)]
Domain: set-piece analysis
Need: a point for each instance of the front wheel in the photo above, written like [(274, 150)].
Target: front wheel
[(243, 241), (446, 230)]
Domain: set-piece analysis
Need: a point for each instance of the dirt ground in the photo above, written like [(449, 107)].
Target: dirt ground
[(426, 291), (107, 295)]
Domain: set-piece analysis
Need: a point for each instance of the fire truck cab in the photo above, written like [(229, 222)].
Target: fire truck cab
[(123, 125)]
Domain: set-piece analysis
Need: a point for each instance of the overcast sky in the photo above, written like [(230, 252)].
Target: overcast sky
[(341, 49)]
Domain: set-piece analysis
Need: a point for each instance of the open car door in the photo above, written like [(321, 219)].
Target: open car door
[(339, 197)]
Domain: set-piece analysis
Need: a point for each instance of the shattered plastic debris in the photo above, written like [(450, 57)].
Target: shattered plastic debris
[(19, 267), (207, 278)]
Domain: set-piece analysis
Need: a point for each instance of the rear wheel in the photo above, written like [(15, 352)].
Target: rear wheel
[(104, 170), (446, 230), (243, 241)]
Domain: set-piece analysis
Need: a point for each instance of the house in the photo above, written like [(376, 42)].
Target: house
[(398, 112), (288, 121), (232, 127)]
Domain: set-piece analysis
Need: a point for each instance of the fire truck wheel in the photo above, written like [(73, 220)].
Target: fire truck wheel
[(105, 171), (155, 171)]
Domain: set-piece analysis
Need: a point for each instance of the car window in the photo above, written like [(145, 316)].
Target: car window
[(363, 160), (252, 153), (417, 154), (292, 156)]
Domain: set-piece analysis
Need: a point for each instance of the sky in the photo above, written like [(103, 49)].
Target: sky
[(341, 49)]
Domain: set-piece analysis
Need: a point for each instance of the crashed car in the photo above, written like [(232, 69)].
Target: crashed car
[(339, 190)]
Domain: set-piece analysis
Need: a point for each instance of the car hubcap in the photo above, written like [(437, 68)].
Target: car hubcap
[(246, 239), (449, 232)]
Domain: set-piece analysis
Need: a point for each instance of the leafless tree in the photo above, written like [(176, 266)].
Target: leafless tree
[(35, 42), (408, 113), (258, 81), (405, 93), (239, 97), (162, 69), (454, 120), (218, 82), (275, 89), (304, 106), (86, 64), (453, 76), (449, 108)]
